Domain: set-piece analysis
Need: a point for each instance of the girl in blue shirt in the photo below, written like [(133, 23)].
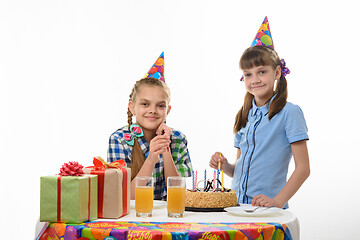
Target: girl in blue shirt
[(268, 132)]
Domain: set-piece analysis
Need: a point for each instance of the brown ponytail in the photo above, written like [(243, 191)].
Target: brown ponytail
[(279, 101), (137, 157), (254, 57), (242, 115)]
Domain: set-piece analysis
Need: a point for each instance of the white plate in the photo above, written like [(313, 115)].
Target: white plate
[(260, 212), (156, 204)]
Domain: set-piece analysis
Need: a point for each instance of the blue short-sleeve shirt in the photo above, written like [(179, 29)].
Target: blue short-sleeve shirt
[(266, 151)]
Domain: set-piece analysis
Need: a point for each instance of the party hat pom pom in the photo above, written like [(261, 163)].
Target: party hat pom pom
[(71, 169)]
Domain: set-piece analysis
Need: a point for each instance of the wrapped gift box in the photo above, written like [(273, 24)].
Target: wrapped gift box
[(69, 199), (113, 187)]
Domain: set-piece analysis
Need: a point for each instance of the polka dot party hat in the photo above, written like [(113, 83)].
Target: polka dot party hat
[(157, 69), (263, 36)]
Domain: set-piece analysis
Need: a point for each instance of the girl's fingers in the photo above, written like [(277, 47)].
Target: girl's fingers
[(157, 147), (215, 159), (262, 201), (222, 160), (159, 131), (159, 144), (212, 164), (267, 204), (255, 200), (163, 130), (212, 161), (220, 157), (160, 137), (160, 151), (160, 140)]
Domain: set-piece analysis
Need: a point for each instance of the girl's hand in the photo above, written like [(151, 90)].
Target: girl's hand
[(163, 129), (215, 159), (263, 201), (158, 145)]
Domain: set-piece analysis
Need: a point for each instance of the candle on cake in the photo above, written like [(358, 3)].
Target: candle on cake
[(204, 179), (196, 180), (193, 181), (222, 180)]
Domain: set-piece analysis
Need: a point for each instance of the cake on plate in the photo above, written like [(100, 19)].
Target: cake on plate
[(209, 198)]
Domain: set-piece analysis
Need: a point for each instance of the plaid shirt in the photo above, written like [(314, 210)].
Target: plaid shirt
[(119, 149)]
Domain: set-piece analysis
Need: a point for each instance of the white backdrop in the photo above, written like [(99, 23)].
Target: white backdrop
[(67, 68)]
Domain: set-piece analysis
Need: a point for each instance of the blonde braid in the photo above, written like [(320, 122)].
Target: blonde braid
[(130, 115), (129, 118), (137, 158)]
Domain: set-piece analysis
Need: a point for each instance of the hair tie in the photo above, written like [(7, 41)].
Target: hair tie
[(135, 132), (284, 70)]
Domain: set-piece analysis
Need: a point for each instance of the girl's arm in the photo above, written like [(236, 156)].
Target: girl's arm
[(297, 178), (157, 146), (169, 165), (227, 167)]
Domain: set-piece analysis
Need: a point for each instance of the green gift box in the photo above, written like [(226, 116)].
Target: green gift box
[(68, 199)]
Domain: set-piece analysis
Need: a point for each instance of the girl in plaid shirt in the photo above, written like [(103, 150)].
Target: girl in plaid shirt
[(150, 147)]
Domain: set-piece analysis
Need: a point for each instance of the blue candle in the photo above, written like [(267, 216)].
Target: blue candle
[(205, 179), (217, 182), (193, 181)]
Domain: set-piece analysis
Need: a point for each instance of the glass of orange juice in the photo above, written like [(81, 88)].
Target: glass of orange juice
[(176, 196), (144, 192)]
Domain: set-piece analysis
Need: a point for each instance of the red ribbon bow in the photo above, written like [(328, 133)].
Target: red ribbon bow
[(71, 168), (100, 163)]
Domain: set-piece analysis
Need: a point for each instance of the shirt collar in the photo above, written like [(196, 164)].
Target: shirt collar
[(264, 109)]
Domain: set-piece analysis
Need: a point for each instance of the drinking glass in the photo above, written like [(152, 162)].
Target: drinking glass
[(176, 196), (144, 192)]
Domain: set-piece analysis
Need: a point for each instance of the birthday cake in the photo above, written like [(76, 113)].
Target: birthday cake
[(210, 197)]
